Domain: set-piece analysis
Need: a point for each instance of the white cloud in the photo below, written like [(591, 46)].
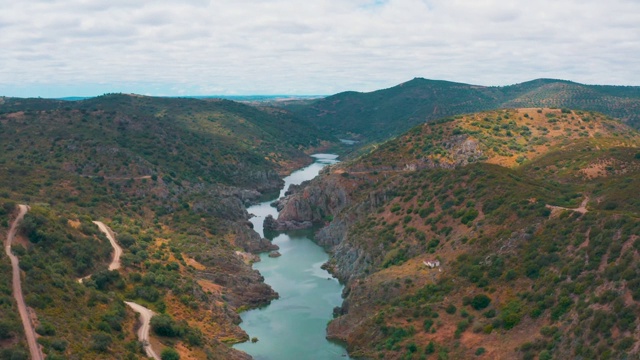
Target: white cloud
[(57, 48)]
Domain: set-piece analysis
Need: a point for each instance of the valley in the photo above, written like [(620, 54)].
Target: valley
[(461, 222), (294, 325)]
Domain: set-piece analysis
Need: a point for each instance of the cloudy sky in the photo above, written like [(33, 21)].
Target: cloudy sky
[(55, 48)]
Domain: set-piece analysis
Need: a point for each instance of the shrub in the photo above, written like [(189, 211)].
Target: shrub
[(169, 354), (46, 329), (451, 309), (428, 323), (480, 351), (100, 342), (430, 349), (545, 355), (164, 325), (480, 301), (5, 330), (59, 345), (511, 314), (489, 314), (625, 344)]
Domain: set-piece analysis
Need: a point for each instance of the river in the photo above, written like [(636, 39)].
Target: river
[(294, 326)]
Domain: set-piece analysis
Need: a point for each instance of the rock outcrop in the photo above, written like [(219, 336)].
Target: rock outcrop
[(313, 201), (271, 224), (244, 285), (249, 240)]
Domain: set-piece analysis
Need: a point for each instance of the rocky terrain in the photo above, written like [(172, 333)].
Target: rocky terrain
[(489, 198)]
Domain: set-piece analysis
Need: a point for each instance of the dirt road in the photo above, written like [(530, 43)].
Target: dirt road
[(29, 332), (582, 209), (117, 250), (143, 332)]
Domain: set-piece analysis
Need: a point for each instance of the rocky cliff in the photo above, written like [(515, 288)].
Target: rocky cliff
[(311, 202)]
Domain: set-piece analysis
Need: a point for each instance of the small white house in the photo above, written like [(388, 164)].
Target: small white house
[(431, 263)]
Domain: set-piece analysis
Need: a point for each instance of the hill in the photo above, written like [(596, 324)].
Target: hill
[(382, 114), (171, 178), (509, 234)]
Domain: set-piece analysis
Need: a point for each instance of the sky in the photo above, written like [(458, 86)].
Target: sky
[(57, 48)]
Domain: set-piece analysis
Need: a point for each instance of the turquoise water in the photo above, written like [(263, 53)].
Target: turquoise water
[(294, 326)]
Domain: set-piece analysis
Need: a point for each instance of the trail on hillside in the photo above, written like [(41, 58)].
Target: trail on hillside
[(143, 331), (117, 250), (29, 332), (582, 209)]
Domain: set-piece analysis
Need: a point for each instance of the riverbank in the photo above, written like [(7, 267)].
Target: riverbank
[(294, 326)]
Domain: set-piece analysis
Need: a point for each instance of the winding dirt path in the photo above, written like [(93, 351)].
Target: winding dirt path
[(29, 332), (143, 331), (582, 209), (117, 250)]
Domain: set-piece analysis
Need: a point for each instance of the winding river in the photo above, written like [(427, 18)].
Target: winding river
[(294, 326)]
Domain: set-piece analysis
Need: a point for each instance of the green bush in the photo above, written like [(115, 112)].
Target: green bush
[(59, 345), (6, 330), (480, 301), (100, 342), (430, 349), (164, 325), (451, 309), (46, 329), (169, 354)]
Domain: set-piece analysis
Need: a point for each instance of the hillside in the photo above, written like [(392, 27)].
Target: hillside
[(531, 216), (170, 177), (382, 114)]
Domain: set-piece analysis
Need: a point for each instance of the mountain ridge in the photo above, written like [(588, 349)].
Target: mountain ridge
[(377, 115)]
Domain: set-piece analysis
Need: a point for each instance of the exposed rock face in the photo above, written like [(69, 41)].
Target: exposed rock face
[(249, 240), (274, 254), (272, 224), (245, 286), (323, 198), (313, 201), (332, 234), (261, 180)]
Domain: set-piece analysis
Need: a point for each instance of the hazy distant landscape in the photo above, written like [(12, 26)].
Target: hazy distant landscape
[(275, 180)]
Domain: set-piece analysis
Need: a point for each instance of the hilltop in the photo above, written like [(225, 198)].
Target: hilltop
[(171, 177), (381, 114), (502, 235)]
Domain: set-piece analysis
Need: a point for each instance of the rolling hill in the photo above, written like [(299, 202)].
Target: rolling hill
[(385, 113), (507, 234), (171, 177)]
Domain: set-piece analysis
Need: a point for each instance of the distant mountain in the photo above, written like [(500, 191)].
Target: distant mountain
[(215, 141), (384, 113)]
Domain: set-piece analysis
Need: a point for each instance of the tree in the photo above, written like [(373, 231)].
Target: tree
[(169, 354), (164, 325), (480, 301), (100, 342), (5, 330)]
